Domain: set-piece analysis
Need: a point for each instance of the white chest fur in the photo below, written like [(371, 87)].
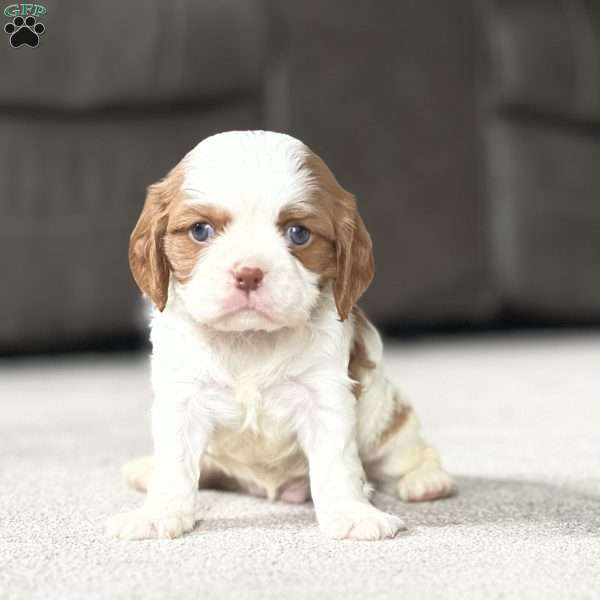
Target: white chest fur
[(255, 389)]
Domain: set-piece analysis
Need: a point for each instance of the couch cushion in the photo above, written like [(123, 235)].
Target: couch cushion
[(545, 56), (71, 191), (545, 215), (107, 53), (391, 110)]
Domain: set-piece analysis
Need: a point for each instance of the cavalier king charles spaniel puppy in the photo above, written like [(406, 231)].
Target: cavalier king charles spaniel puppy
[(267, 377)]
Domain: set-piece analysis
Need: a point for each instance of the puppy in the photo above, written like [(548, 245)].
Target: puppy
[(267, 377)]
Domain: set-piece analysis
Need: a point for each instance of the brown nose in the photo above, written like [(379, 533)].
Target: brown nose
[(248, 278)]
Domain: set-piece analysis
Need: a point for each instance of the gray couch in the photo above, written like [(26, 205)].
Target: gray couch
[(468, 130), (88, 119)]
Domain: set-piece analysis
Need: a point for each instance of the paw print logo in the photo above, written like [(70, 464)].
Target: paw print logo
[(24, 32)]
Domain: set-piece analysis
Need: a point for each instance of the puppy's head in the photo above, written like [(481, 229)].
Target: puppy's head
[(248, 230)]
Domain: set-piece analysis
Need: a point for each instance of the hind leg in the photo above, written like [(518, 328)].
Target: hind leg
[(427, 481), (137, 474), (403, 463)]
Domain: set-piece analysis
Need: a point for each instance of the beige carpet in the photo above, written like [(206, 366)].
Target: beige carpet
[(516, 418)]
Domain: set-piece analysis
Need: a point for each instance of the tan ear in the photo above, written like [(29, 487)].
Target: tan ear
[(355, 260), (355, 263), (147, 260)]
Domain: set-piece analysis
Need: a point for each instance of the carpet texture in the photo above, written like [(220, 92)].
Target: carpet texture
[(517, 420)]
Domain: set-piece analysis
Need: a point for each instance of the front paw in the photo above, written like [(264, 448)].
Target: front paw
[(141, 524), (360, 521)]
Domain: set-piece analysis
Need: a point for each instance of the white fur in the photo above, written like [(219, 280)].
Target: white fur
[(252, 175), (264, 395)]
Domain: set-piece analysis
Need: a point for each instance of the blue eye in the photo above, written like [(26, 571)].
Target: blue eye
[(298, 235), (202, 231)]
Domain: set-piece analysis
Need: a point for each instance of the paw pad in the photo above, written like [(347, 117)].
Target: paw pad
[(24, 31)]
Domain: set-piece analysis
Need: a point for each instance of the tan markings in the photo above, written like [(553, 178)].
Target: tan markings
[(354, 261), (147, 259), (184, 216), (318, 255), (359, 357), (181, 249), (399, 418), (308, 215), (183, 254), (161, 242)]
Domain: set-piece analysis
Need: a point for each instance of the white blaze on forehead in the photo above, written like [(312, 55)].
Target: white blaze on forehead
[(248, 171)]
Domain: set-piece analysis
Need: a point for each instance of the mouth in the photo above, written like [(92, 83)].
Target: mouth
[(249, 308)]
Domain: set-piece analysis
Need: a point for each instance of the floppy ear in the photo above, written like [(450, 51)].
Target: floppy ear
[(147, 260), (355, 260)]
